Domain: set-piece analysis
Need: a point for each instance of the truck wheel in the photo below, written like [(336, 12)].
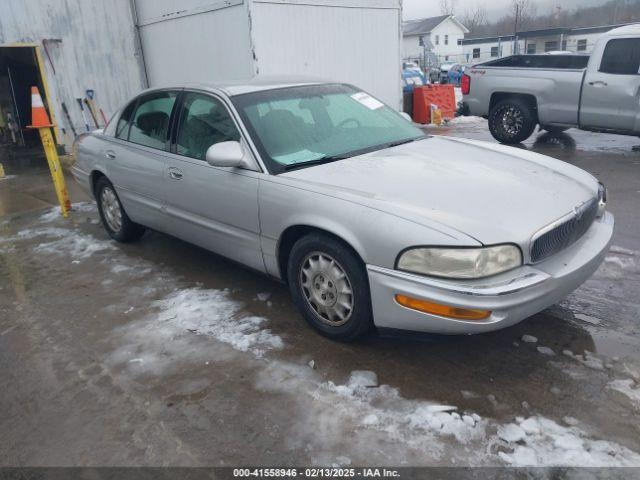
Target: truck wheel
[(114, 219), (511, 121), (329, 285)]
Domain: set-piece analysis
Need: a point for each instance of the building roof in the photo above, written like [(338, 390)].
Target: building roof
[(423, 26), (631, 27)]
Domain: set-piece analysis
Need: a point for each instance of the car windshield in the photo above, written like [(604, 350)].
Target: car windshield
[(302, 126)]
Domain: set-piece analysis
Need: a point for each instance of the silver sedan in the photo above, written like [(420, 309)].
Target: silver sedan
[(368, 220)]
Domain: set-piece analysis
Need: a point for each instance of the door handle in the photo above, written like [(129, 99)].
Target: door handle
[(598, 83), (110, 154), (175, 174)]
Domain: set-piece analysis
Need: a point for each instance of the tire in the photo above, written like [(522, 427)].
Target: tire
[(311, 274), (554, 130), (511, 121), (114, 219)]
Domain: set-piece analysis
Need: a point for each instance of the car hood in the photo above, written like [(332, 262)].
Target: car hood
[(490, 192)]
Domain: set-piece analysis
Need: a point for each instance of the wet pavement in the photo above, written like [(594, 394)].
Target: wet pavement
[(160, 353)]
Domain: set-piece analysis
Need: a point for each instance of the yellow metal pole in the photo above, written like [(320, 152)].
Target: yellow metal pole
[(47, 91), (56, 170)]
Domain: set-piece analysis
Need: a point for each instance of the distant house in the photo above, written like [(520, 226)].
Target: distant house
[(440, 35), (576, 40)]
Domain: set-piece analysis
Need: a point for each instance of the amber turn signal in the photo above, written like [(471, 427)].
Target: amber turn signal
[(442, 310)]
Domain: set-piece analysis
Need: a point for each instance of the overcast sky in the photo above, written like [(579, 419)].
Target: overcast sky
[(495, 8)]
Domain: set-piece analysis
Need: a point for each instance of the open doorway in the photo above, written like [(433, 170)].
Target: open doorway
[(20, 69)]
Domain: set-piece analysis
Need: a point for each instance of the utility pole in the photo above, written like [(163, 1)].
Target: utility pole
[(515, 30)]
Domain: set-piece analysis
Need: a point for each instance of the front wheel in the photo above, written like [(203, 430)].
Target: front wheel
[(329, 285), (511, 121), (114, 219)]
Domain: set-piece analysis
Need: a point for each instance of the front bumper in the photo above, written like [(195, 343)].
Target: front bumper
[(511, 296)]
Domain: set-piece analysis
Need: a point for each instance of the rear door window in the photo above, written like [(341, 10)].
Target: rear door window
[(124, 122), (150, 124), (621, 57)]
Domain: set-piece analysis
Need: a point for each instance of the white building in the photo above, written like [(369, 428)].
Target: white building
[(577, 40), (444, 33)]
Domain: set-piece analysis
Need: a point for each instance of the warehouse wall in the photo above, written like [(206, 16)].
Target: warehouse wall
[(350, 41), (195, 40), (97, 49)]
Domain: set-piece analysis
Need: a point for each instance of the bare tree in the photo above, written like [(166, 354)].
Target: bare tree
[(524, 13), (448, 7), (474, 17)]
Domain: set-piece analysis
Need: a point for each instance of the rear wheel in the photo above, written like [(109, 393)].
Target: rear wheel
[(329, 285), (511, 121), (114, 219)]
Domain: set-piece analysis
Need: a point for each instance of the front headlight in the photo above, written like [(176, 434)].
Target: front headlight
[(460, 262)]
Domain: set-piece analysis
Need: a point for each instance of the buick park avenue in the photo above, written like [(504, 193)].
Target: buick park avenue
[(368, 220)]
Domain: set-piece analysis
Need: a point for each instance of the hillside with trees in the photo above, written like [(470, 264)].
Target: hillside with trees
[(524, 15)]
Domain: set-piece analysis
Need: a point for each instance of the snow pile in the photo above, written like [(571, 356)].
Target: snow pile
[(77, 245), (369, 415), (55, 213), (628, 389), (587, 359), (546, 351), (64, 241), (213, 313), (536, 441)]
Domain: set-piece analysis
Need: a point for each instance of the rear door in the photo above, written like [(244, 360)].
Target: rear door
[(611, 90), (214, 207), (136, 157)]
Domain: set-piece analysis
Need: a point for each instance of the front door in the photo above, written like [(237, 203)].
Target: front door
[(214, 207), (611, 91)]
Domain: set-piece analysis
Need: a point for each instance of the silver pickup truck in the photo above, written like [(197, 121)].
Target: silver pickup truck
[(600, 93)]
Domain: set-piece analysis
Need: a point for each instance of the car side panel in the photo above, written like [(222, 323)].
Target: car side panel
[(215, 208), (557, 92)]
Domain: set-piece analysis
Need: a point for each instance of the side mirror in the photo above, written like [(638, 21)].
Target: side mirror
[(226, 154), (406, 116)]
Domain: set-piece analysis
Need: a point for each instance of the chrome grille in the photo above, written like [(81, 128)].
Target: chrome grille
[(566, 232)]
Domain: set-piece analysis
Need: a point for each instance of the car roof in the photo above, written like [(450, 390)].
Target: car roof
[(256, 84)]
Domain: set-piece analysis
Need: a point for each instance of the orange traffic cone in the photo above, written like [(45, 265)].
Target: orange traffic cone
[(39, 117)]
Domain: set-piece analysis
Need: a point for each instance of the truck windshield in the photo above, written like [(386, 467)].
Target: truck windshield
[(302, 126)]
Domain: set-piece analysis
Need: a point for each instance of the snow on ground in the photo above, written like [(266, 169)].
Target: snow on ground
[(76, 244), (368, 414), (538, 441), (628, 388), (587, 359), (213, 313), (55, 212), (546, 351), (373, 418), (437, 434)]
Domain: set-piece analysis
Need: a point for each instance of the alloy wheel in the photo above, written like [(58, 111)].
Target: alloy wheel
[(326, 288), (512, 121), (111, 209)]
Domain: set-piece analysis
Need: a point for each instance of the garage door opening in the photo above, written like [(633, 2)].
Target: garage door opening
[(20, 69)]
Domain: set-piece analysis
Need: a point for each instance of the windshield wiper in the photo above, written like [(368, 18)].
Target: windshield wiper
[(402, 142), (317, 161)]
